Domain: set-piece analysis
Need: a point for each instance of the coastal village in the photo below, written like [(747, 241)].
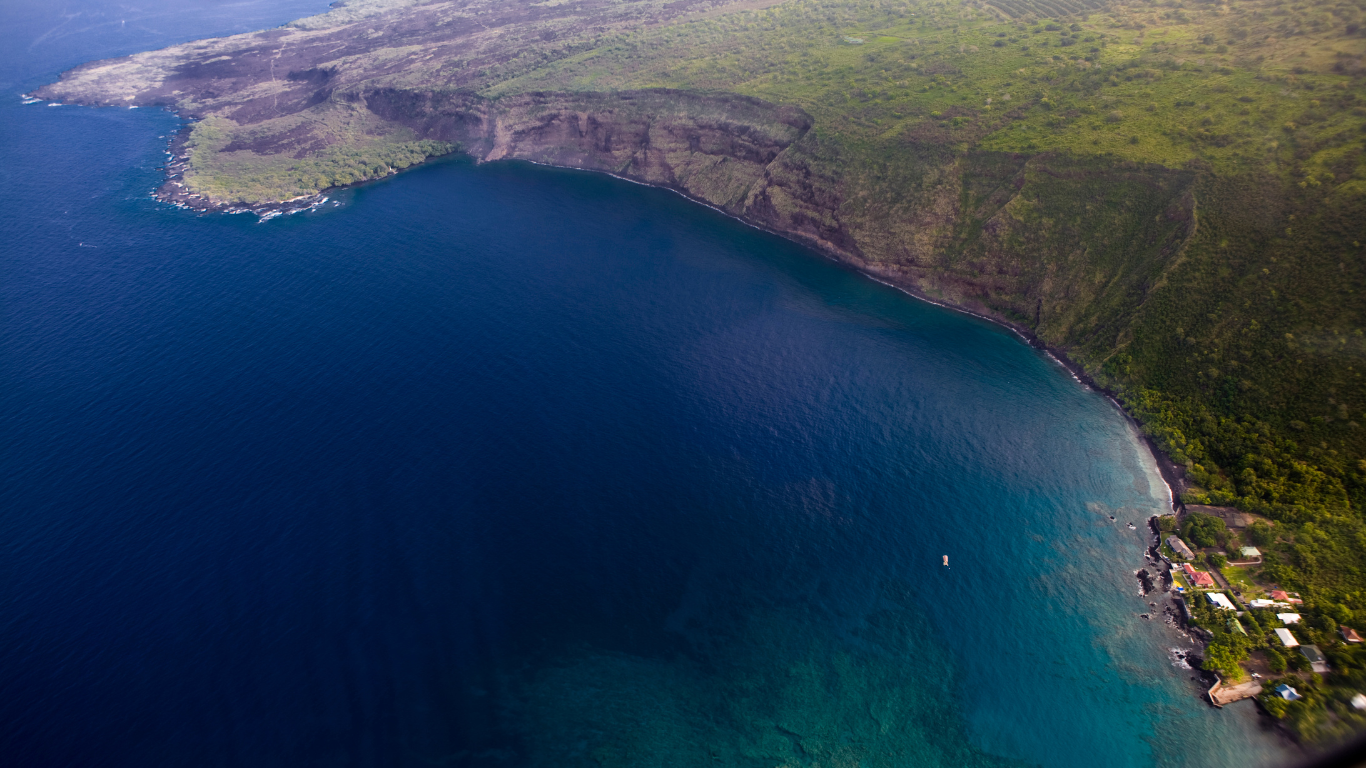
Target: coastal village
[(1303, 664)]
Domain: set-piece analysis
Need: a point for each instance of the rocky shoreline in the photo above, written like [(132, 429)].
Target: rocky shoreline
[(174, 192), (1176, 615)]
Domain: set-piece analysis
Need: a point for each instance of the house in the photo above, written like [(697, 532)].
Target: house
[(1198, 578), (1317, 661), (1280, 594), (1268, 604), (1350, 635), (1288, 693), (1359, 701), (1251, 553), (1179, 547), (1289, 618), (1287, 639), (1220, 600)]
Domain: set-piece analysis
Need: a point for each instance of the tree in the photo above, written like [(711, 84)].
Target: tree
[(1275, 660), (1224, 660), (1275, 705), (1260, 534), (1297, 662), (1204, 530)]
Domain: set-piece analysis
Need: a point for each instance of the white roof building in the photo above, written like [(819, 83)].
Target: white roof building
[(1220, 600), (1359, 701), (1268, 604), (1289, 618), (1287, 639), (1250, 552)]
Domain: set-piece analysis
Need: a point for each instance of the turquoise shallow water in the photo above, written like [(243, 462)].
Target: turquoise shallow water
[(516, 466)]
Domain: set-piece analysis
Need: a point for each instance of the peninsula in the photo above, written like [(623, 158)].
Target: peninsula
[(1171, 194)]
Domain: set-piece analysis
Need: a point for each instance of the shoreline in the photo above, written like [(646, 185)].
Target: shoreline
[(174, 193)]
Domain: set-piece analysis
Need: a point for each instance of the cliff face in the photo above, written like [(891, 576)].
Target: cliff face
[(735, 153), (714, 148), (1065, 247)]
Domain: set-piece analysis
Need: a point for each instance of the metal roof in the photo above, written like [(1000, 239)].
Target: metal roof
[(1220, 600)]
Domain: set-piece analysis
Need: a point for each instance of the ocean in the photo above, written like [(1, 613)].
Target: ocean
[(506, 465)]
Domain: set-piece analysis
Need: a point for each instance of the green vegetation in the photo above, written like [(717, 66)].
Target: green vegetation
[(1204, 530), (1325, 710), (1229, 646), (218, 171), (1332, 557), (1147, 82), (1237, 577)]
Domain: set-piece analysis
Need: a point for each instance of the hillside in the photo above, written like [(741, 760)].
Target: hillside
[(1172, 193)]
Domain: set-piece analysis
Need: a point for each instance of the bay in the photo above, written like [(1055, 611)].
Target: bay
[(508, 465)]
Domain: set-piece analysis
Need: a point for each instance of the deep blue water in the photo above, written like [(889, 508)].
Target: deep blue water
[(506, 465)]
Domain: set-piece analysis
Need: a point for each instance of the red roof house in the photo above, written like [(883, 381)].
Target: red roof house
[(1198, 578), (1280, 594)]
